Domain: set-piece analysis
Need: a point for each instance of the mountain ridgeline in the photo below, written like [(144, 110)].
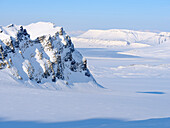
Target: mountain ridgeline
[(48, 58)]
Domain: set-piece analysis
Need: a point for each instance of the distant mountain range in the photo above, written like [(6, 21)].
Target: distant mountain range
[(120, 38)]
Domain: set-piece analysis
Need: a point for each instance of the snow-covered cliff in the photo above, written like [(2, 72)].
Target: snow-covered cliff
[(42, 56)]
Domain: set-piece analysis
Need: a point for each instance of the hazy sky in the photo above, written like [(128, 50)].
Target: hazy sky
[(89, 14)]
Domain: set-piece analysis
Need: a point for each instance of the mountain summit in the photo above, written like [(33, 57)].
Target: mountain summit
[(48, 58)]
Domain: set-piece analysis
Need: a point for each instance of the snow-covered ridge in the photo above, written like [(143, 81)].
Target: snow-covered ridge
[(44, 55), (117, 37)]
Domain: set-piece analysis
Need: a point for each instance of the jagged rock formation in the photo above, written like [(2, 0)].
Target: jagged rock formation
[(47, 58)]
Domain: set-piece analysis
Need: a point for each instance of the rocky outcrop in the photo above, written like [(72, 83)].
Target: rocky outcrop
[(48, 58)]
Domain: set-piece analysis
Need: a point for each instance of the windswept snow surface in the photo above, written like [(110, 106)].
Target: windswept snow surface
[(134, 68)]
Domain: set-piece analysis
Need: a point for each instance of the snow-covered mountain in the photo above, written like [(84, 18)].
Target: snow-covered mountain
[(120, 38), (41, 54)]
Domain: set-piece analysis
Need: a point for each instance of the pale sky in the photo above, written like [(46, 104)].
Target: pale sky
[(81, 15)]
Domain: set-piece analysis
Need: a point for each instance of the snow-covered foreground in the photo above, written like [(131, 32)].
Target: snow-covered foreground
[(134, 71), (137, 90)]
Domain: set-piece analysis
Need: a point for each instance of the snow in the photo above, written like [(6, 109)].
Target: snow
[(101, 43), (121, 101), (161, 51), (8, 31), (35, 30), (132, 66), (47, 59), (125, 35), (41, 28), (125, 99), (120, 39)]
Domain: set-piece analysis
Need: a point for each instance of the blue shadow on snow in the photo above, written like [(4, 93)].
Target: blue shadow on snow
[(152, 92), (91, 123)]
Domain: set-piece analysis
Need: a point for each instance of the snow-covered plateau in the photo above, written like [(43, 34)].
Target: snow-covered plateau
[(47, 82)]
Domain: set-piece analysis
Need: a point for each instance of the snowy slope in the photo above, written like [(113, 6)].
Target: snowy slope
[(10, 30), (120, 38)]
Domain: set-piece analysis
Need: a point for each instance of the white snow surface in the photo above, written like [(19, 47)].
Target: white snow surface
[(134, 68), (41, 28)]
